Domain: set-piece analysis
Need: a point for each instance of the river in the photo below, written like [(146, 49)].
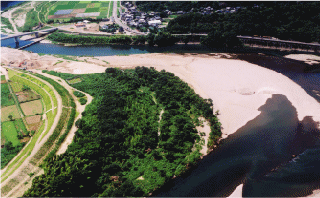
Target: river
[(248, 156)]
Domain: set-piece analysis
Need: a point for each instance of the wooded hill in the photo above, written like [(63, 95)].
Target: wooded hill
[(299, 21), (117, 150)]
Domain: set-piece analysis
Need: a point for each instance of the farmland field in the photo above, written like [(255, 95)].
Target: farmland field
[(27, 96), (6, 96), (32, 108), (67, 10), (10, 110), (17, 87), (20, 125), (10, 132)]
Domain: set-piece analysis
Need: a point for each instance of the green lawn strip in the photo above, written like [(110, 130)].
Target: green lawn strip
[(3, 77), (111, 9), (20, 126), (27, 151), (65, 96), (88, 10), (9, 130), (64, 135), (50, 118), (16, 87), (48, 144), (3, 138), (105, 4), (104, 14), (80, 6), (6, 97)]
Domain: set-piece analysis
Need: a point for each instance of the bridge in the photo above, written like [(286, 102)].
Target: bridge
[(279, 43), (36, 33)]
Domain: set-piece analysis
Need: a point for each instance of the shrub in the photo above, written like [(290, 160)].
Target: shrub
[(83, 101)]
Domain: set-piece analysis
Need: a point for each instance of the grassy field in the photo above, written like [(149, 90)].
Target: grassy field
[(6, 96), (17, 87), (74, 81), (20, 125), (9, 110), (32, 108), (10, 132), (3, 77)]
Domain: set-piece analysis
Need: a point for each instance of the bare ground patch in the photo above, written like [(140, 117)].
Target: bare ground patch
[(33, 119), (61, 16), (75, 11), (27, 96), (32, 108)]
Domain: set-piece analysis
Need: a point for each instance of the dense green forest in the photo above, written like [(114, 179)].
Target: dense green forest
[(159, 6), (117, 150), (298, 21)]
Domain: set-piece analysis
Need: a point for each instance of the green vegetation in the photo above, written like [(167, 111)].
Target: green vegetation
[(6, 96), (16, 87), (78, 94), (263, 20), (111, 9), (6, 22), (9, 130), (83, 101), (117, 141), (67, 115), (159, 6), (31, 21), (78, 39)]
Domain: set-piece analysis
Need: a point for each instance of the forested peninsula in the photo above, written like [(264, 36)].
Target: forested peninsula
[(138, 133)]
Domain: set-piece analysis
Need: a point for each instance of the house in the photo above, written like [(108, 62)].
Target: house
[(104, 27), (180, 12), (78, 25), (154, 23), (86, 21)]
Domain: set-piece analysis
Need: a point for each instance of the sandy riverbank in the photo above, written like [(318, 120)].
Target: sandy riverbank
[(237, 88)]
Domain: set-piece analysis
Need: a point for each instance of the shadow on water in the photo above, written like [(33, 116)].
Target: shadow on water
[(300, 176), (256, 148)]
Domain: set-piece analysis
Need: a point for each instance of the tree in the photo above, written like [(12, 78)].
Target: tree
[(10, 117), (150, 39), (163, 39)]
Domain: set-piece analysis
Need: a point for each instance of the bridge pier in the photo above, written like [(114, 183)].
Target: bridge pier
[(16, 41), (37, 34)]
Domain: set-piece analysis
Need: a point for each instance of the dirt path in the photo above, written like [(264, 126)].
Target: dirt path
[(160, 117), (16, 180), (9, 16), (79, 108)]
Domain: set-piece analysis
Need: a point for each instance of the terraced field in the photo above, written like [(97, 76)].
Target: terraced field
[(80, 9), (59, 116)]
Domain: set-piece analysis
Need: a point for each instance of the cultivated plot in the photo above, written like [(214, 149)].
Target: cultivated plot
[(68, 10), (9, 110), (9, 131), (32, 108)]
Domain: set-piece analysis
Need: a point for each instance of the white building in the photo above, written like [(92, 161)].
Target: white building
[(154, 23)]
